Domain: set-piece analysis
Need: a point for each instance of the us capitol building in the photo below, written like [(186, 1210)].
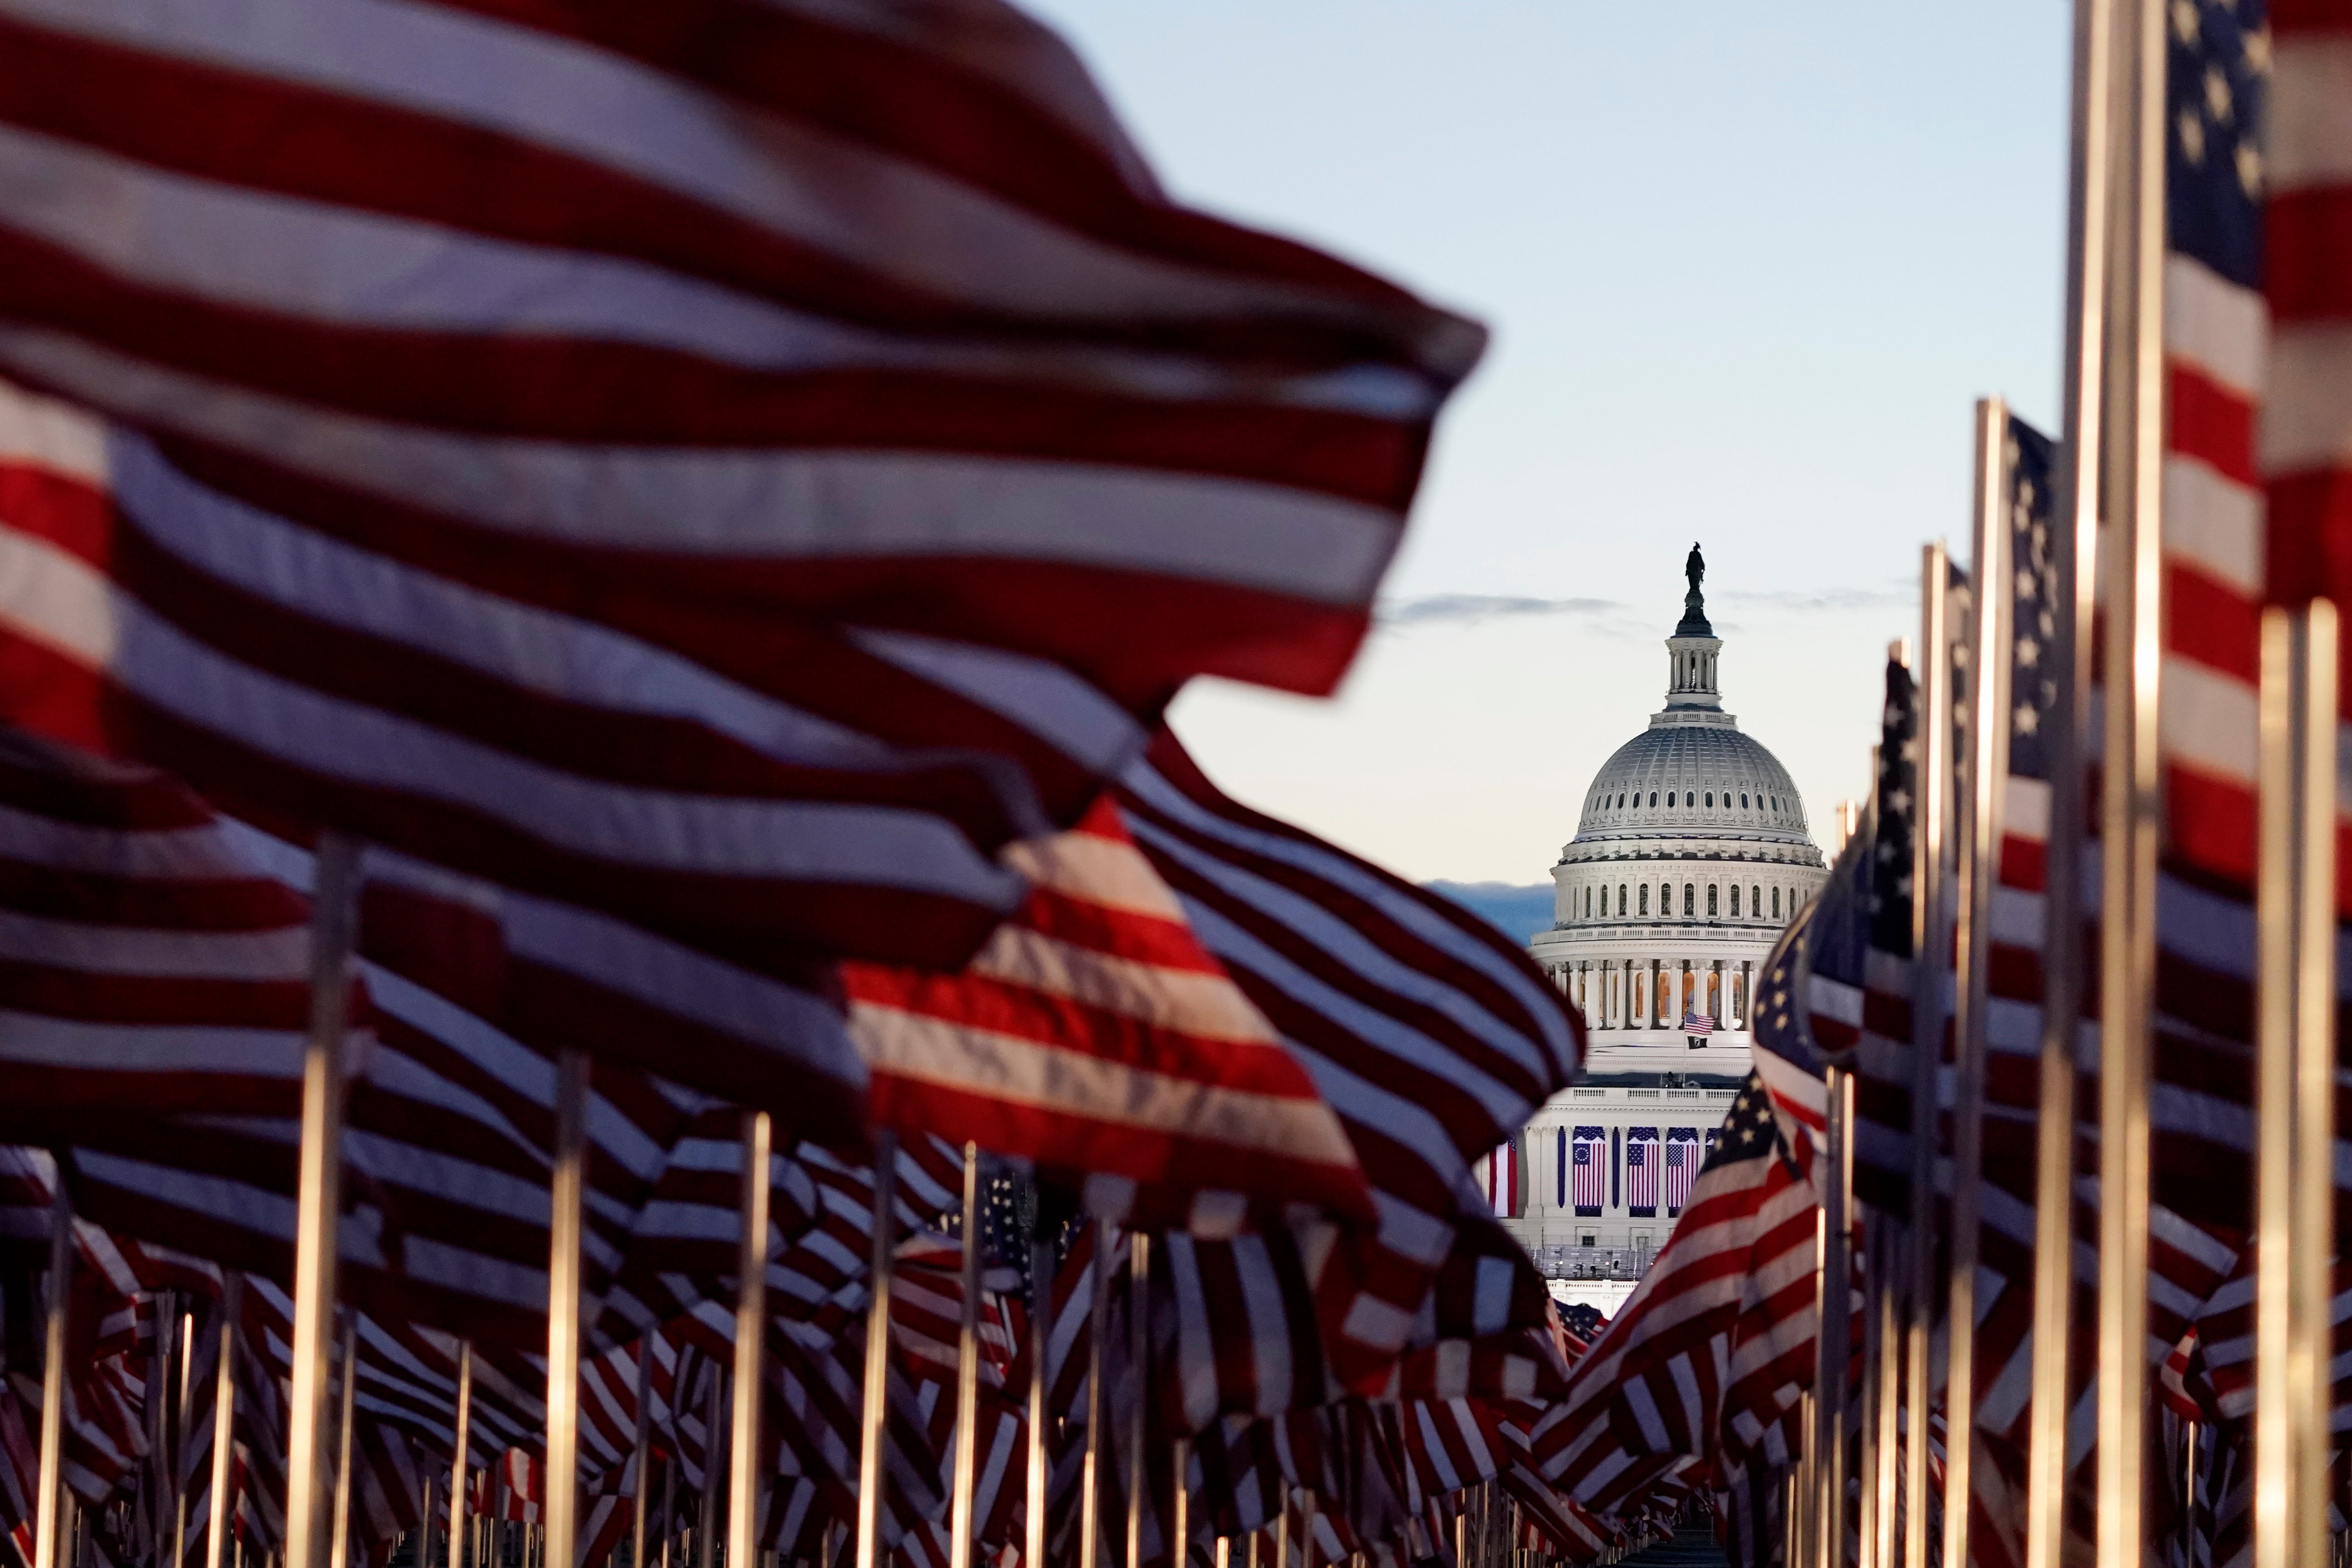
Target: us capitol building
[(1690, 856)]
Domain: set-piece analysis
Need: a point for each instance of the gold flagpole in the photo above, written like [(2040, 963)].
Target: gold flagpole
[(2081, 503), (180, 1440), (47, 1508), (1138, 1343), (1041, 1325), (319, 1200), (564, 1309), (224, 1420), (338, 1552), (1887, 1310), (1836, 1353), (1931, 936), (873, 1414), (746, 1470), (706, 1513), (641, 1504), (1978, 830), (461, 1455), (1180, 1533), (2132, 807), (1097, 1407), (962, 1527), (2295, 1085)]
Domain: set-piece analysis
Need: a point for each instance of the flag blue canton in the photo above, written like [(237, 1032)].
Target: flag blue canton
[(1749, 1130), (2218, 78), (2034, 614), (1779, 998), (1898, 766)]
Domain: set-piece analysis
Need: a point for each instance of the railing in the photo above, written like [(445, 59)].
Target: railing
[(1594, 1262)]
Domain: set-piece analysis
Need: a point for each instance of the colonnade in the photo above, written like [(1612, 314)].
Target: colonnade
[(1659, 992)]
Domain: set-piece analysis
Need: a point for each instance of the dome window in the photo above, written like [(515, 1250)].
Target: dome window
[(1653, 797), (1735, 901), (1670, 797), (1711, 910), (1755, 902), (1710, 800), (1645, 897), (1743, 800), (1690, 900), (1620, 897)]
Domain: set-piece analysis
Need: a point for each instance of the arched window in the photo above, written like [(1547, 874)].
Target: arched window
[(1690, 899), (1653, 797), (1755, 902), (1711, 910), (1743, 804), (1670, 797), (1776, 903), (1710, 800), (1735, 901), (1620, 897), (1588, 915), (1645, 897)]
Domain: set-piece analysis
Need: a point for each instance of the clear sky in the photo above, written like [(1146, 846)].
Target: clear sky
[(1746, 267)]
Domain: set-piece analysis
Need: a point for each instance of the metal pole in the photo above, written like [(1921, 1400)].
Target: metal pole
[(1139, 1356), (424, 1521), (1888, 1311), (180, 1442), (706, 1518), (2295, 1084), (1281, 1522), (47, 1508), (1979, 830), (750, 1346), (2081, 502), (460, 1459), (1180, 1534), (1837, 1318), (334, 914), (640, 1512), (1931, 939), (2132, 812), (1306, 1525), (1097, 1407), (339, 1552), (1041, 1325), (564, 1328), (873, 1415), (224, 1420), (961, 1525), (669, 1505)]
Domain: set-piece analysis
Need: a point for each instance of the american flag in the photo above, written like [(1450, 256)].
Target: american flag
[(1682, 1166), (1641, 1171), (1698, 1024), (819, 441), (1499, 1174), (1729, 1296), (1587, 1170)]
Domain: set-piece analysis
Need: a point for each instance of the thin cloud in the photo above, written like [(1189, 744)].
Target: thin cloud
[(1469, 609), (1897, 593)]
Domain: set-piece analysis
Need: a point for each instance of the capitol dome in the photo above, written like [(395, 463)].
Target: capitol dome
[(1690, 855)]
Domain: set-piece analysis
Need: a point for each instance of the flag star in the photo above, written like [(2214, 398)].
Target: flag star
[(2256, 51), (2029, 652), (2184, 20), (2219, 103), (2192, 137), (2029, 720), (2250, 168)]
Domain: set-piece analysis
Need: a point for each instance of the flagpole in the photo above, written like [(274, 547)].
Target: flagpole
[(1181, 1530), (1931, 936), (705, 1507), (1097, 1407), (745, 1471), (224, 1419), (1138, 1352), (641, 1504), (2082, 501), (335, 915), (339, 1552), (873, 1414), (1836, 1356), (2132, 806), (1978, 828), (1041, 1316), (2295, 1085), (47, 1509), (564, 1285), (961, 1526), (180, 1437), (459, 1455)]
